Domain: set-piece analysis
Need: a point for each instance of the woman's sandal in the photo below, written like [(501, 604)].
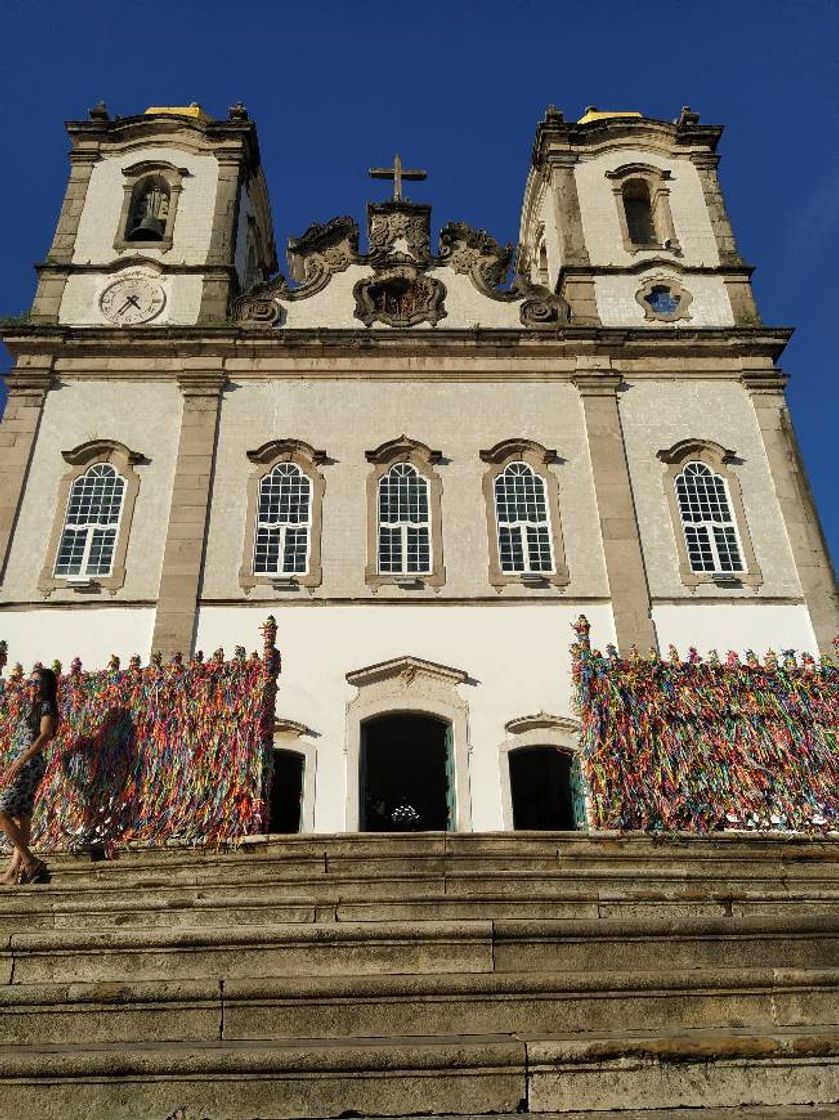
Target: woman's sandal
[(40, 873)]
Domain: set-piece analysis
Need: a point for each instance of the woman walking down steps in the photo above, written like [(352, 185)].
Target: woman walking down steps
[(20, 782)]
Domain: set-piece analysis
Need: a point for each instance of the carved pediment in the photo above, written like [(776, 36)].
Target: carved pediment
[(405, 670)]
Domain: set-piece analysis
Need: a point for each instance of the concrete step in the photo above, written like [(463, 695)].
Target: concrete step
[(46, 908), (440, 1004), (279, 950), (619, 855), (343, 948), (431, 1075)]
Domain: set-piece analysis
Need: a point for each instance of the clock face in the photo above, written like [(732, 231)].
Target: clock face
[(134, 299)]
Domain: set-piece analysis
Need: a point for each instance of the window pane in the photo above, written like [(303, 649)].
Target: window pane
[(419, 550), (101, 552), (521, 509), (390, 550), (267, 550), (93, 512), (511, 549), (710, 534), (285, 497), (296, 544), (71, 552)]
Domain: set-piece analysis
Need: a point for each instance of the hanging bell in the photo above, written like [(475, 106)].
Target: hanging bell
[(149, 229)]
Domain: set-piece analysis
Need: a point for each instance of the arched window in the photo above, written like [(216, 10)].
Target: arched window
[(284, 521), (642, 198), (149, 210), (404, 522), (638, 208), (707, 521), (91, 524), (283, 516), (523, 522)]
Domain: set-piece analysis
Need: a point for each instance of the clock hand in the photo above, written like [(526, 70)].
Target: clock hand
[(126, 305)]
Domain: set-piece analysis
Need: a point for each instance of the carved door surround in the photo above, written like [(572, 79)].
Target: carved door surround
[(409, 685)]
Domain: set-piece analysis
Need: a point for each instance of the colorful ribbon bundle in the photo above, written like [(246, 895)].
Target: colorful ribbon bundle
[(176, 751), (703, 745)]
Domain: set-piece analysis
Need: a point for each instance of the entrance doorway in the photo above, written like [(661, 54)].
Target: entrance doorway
[(546, 789), (286, 802), (407, 774)]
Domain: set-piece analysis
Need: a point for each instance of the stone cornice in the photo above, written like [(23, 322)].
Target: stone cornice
[(229, 341)]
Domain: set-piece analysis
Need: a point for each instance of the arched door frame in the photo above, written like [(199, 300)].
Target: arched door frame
[(295, 737), (409, 685), (540, 730)]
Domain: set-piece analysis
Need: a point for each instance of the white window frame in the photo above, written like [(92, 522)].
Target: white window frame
[(404, 470), (286, 469), (522, 526), (710, 524), (89, 527)]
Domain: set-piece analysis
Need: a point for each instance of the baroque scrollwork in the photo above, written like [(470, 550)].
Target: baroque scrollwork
[(477, 254), (324, 250), (392, 222), (401, 292), (400, 296)]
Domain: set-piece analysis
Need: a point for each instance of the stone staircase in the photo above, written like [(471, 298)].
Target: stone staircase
[(451, 975)]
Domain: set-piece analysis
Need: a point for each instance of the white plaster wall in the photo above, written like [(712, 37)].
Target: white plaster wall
[(80, 302), (348, 417), (516, 656), (103, 206), (657, 414), (598, 208), (146, 418), (618, 307), (757, 626), (92, 633), (335, 305)]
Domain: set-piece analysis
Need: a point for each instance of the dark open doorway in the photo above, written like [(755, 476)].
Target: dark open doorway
[(543, 781), (286, 801), (406, 774)]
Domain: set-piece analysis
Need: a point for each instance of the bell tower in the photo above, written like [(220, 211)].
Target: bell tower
[(623, 216), (165, 219)]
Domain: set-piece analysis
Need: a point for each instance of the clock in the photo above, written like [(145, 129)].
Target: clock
[(132, 299)]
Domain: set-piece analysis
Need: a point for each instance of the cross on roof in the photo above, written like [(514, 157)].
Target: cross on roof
[(397, 173)]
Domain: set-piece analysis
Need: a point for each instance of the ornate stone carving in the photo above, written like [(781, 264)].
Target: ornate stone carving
[(391, 222), (399, 297), (478, 254), (324, 249), (542, 306), (314, 258)]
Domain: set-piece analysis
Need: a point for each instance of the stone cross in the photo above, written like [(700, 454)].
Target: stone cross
[(397, 173)]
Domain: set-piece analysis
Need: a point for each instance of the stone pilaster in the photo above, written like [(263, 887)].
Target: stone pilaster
[(736, 274), (616, 509), (577, 281), (28, 387), (183, 556), (53, 273), (809, 548), (221, 254)]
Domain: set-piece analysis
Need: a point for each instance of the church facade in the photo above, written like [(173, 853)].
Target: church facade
[(426, 454)]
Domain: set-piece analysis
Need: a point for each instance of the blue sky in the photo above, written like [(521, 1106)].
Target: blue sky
[(457, 88)]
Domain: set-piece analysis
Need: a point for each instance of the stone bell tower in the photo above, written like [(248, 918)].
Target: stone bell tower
[(623, 216), (165, 218)]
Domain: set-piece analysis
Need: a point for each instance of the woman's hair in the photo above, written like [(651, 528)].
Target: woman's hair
[(48, 687), (47, 690)]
